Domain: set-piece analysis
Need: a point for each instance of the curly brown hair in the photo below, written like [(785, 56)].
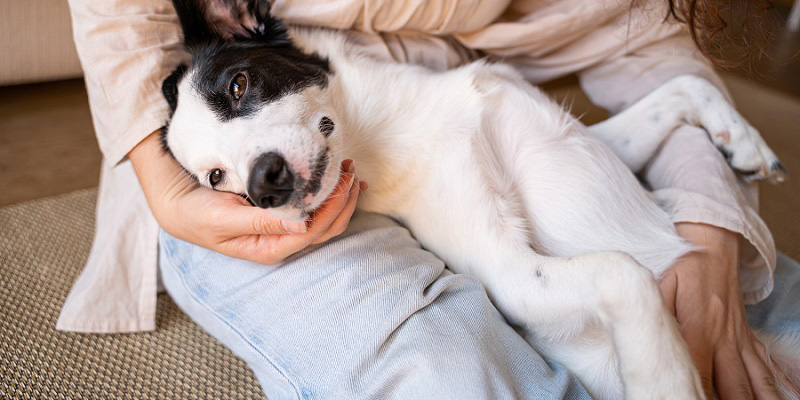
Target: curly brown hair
[(728, 32)]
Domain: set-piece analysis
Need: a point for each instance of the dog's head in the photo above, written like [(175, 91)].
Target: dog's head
[(251, 114)]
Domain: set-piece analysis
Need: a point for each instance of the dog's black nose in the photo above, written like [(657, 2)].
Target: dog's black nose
[(271, 181)]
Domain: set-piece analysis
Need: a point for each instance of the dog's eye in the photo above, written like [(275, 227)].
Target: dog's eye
[(238, 86), (326, 126), (215, 177)]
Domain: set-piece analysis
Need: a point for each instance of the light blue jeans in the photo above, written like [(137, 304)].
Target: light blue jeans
[(369, 315), (779, 314)]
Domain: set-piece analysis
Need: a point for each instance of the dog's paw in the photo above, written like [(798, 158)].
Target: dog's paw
[(772, 170), (242, 18), (740, 143)]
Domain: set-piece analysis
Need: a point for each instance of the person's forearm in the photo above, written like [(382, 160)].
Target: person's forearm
[(159, 174)]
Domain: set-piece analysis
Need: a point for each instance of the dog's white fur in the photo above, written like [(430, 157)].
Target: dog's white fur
[(501, 183)]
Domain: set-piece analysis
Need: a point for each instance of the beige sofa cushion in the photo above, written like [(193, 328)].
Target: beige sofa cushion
[(36, 42)]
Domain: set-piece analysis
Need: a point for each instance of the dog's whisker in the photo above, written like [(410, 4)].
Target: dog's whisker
[(248, 199)]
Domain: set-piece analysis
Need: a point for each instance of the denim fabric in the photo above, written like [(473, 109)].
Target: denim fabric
[(369, 315), (779, 313)]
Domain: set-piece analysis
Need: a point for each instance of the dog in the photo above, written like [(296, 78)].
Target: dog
[(487, 172)]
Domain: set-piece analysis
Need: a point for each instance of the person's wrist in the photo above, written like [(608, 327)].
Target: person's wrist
[(717, 251), (712, 239)]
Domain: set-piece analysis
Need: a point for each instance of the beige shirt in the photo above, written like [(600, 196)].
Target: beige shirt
[(127, 48)]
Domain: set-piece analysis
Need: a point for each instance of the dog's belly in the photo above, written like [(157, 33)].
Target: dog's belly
[(508, 152), (442, 149)]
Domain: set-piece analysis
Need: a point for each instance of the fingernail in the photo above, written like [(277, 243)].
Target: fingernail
[(352, 168), (294, 227), (346, 165)]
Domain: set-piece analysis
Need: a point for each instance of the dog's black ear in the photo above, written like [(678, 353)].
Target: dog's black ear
[(207, 21), (170, 87), (197, 31), (266, 27)]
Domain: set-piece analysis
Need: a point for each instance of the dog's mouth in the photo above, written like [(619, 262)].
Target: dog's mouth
[(314, 183), (247, 198), (308, 189)]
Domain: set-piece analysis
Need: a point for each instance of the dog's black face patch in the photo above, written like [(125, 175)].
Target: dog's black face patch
[(170, 87), (318, 172), (271, 71)]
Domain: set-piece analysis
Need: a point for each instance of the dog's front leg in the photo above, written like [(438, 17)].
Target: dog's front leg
[(636, 133)]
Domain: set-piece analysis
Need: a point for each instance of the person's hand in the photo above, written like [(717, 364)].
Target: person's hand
[(702, 291), (227, 223)]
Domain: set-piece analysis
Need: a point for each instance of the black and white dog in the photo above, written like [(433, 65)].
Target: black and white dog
[(486, 171)]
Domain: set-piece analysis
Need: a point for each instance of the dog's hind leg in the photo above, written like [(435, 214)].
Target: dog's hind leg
[(636, 133), (575, 200), (555, 299)]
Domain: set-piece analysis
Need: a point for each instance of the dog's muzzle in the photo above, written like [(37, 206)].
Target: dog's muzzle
[(271, 181)]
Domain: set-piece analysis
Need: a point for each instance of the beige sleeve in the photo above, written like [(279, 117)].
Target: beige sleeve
[(688, 175), (126, 48), (435, 52), (617, 82), (413, 32), (433, 17)]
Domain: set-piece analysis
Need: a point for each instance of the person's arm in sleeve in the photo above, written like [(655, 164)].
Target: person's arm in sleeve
[(707, 289)]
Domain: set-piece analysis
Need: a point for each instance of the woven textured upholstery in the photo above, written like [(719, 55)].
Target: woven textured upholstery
[(43, 246)]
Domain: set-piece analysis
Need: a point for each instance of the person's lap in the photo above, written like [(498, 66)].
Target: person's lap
[(367, 315), (371, 314)]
